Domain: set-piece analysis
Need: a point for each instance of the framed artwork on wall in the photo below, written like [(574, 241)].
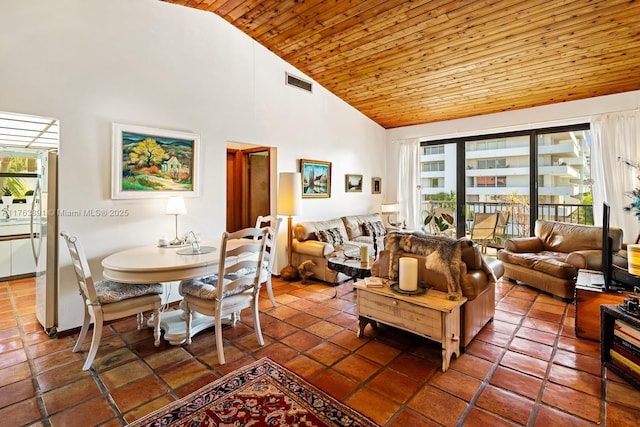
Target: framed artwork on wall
[(353, 183), (376, 185), (316, 178), (153, 163)]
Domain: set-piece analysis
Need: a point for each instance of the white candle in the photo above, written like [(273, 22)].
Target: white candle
[(408, 274), (364, 253)]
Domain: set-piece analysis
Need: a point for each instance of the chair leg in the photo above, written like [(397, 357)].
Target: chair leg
[(156, 327), (140, 318), (218, 332), (256, 322), (270, 290), (83, 330), (95, 341)]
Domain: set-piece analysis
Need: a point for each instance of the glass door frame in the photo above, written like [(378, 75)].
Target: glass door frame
[(533, 167)]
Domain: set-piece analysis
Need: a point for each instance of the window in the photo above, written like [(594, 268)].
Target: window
[(433, 166), (432, 149), (539, 173)]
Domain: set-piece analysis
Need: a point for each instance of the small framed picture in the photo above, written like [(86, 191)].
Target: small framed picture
[(316, 178), (376, 185), (353, 183)]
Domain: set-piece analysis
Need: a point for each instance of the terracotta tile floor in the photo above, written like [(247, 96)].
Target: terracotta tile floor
[(526, 368)]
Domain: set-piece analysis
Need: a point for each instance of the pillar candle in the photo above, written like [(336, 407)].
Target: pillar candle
[(364, 253), (408, 274)]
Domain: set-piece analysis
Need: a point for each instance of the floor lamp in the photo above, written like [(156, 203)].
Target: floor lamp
[(175, 206), (289, 204)]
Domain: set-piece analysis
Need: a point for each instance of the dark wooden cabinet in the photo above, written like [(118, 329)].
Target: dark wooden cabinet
[(609, 315), (588, 302)]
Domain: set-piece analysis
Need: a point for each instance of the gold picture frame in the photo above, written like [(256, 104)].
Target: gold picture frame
[(316, 179)]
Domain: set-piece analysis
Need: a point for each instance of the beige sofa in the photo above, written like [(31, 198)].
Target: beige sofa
[(550, 260), (354, 231)]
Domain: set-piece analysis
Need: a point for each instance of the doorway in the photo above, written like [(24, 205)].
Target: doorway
[(248, 185)]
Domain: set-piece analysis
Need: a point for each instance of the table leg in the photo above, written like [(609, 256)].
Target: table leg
[(362, 323), (450, 337), (175, 328)]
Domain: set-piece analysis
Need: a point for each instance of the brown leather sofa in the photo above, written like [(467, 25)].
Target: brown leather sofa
[(477, 282), (550, 260)]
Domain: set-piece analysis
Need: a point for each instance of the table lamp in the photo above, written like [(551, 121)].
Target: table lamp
[(289, 204), (175, 206), (390, 208)]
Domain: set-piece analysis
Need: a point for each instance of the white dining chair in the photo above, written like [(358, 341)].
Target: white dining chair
[(273, 223), (105, 300), (240, 265)]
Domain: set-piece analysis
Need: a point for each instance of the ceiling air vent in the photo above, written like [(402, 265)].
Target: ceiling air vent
[(298, 82)]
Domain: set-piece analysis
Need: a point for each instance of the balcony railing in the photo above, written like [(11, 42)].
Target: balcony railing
[(518, 224)]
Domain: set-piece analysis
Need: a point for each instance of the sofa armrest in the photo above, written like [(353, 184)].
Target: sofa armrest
[(524, 244), (313, 248), (588, 259)]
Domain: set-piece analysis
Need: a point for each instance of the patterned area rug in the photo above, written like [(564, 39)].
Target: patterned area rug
[(260, 394)]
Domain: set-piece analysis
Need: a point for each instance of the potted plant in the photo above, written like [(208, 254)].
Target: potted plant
[(7, 197), (437, 224)]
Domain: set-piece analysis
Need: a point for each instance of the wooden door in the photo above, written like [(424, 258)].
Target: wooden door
[(248, 184)]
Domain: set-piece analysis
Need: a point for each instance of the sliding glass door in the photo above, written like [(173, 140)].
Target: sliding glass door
[(564, 176), (518, 176)]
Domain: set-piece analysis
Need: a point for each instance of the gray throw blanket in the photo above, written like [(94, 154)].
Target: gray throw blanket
[(443, 254)]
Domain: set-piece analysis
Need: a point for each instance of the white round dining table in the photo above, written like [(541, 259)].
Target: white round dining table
[(152, 264)]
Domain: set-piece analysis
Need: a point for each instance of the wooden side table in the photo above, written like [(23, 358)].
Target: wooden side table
[(431, 315), (588, 301)]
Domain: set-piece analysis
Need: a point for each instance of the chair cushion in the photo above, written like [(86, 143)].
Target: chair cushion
[(333, 236), (205, 287), (110, 292)]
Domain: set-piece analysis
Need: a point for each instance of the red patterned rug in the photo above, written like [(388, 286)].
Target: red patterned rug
[(262, 393)]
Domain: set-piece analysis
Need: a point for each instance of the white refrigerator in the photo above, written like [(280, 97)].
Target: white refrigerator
[(44, 240)]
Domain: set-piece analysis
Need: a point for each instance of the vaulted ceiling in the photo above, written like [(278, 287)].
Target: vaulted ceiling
[(410, 62)]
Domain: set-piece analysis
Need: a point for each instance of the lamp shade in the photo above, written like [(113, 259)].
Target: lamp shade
[(175, 206), (633, 259), (290, 194), (390, 208)]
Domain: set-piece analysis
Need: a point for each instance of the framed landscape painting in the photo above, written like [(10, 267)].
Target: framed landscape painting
[(353, 183), (151, 162), (316, 178)]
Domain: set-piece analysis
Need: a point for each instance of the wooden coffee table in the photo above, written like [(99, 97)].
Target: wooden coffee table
[(431, 315)]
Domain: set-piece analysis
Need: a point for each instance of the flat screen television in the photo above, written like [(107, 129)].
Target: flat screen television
[(607, 253)]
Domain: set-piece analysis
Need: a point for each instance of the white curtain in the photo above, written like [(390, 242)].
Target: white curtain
[(409, 182), (615, 137)]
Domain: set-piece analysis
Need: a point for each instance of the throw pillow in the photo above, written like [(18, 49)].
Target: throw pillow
[(375, 228), (331, 236)]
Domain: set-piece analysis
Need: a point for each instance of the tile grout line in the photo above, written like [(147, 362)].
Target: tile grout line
[(487, 380), (30, 359)]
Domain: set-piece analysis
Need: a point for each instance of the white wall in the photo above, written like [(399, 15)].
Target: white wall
[(90, 63)]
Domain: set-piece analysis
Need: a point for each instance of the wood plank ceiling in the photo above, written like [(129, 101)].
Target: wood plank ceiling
[(410, 62)]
